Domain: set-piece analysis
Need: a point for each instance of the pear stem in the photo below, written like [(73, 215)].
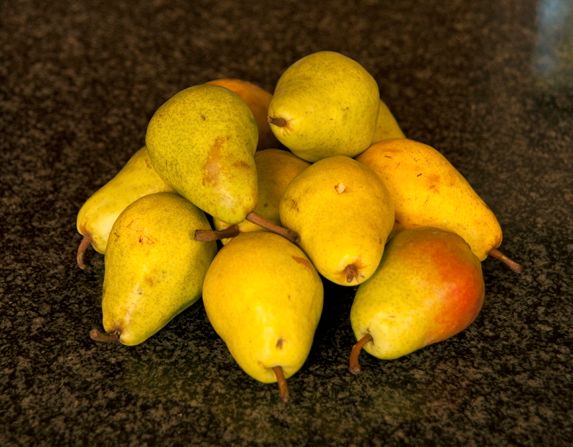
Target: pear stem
[(351, 272), (277, 121), (215, 235), (353, 363), (84, 245), (271, 226), (497, 254), (283, 387), (102, 337)]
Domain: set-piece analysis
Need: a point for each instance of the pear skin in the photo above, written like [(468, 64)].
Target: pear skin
[(428, 191), (201, 141), (325, 104), (343, 215), (387, 127), (154, 268), (428, 287), (136, 179), (258, 100), (275, 169), (264, 298)]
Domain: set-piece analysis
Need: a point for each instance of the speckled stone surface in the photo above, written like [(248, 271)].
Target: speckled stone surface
[(490, 84)]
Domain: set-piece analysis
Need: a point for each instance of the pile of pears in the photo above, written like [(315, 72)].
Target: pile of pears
[(250, 201)]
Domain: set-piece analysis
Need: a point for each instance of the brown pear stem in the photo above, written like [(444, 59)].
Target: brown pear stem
[(102, 337), (281, 381), (351, 272), (84, 245), (353, 363), (215, 235), (497, 254), (271, 226), (277, 121)]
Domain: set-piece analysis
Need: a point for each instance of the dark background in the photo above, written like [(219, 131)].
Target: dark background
[(487, 83)]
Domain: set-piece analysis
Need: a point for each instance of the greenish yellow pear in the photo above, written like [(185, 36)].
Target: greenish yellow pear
[(428, 190), (264, 298), (136, 179), (276, 168), (154, 268), (258, 100), (325, 104), (387, 128), (428, 287), (201, 141), (343, 215)]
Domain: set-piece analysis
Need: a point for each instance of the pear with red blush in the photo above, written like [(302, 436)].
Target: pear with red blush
[(428, 287)]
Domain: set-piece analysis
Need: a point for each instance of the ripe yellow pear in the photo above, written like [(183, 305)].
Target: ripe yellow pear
[(275, 168), (258, 100), (428, 191), (201, 141), (428, 287), (154, 268), (136, 179), (387, 127), (343, 215), (325, 104), (264, 298)]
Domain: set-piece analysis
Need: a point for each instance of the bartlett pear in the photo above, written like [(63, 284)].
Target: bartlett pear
[(343, 215), (201, 141), (428, 191), (154, 268), (429, 286), (264, 298), (136, 179), (325, 104)]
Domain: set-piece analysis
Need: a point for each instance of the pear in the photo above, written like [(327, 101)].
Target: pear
[(325, 104), (428, 287), (258, 100), (264, 298), (387, 127), (136, 179), (275, 168), (154, 268), (343, 215), (202, 142), (428, 191)]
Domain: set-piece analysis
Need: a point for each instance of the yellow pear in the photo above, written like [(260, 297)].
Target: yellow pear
[(201, 141), (428, 287), (428, 191), (325, 104), (264, 298), (343, 215), (136, 179), (154, 268), (275, 168), (387, 127), (258, 100)]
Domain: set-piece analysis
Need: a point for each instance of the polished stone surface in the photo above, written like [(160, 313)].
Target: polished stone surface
[(490, 84)]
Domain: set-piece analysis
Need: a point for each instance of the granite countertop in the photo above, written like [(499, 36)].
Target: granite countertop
[(490, 84)]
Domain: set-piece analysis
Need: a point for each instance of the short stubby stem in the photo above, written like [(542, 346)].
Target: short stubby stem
[(282, 383), (353, 363), (350, 273), (215, 235), (103, 337), (497, 254), (277, 121), (80, 254), (273, 227)]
